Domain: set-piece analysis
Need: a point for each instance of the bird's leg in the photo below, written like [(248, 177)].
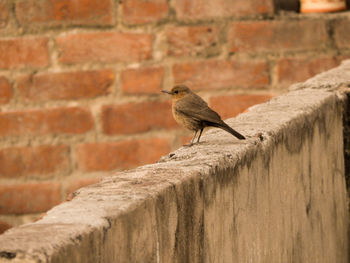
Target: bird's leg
[(194, 136), (200, 133), (191, 143)]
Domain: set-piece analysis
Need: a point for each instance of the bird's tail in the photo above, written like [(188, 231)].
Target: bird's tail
[(227, 128)]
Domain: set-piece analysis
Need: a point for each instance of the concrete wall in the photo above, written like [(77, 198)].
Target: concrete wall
[(276, 197)]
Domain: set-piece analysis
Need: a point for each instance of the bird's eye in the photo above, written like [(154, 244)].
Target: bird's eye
[(176, 91)]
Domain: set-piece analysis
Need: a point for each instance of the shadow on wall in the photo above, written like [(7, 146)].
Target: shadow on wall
[(288, 5), (346, 134)]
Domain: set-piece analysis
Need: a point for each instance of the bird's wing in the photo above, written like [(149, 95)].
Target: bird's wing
[(197, 109)]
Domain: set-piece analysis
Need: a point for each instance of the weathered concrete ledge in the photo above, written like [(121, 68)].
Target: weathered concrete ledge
[(277, 197)]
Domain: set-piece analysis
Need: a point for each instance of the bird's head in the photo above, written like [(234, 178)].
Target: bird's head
[(178, 92)]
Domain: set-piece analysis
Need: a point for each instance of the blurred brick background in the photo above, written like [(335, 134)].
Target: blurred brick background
[(80, 81)]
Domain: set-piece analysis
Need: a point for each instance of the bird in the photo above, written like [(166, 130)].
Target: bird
[(192, 112)]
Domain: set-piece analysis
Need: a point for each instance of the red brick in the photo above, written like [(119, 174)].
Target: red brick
[(137, 117), (104, 47), (36, 160), (76, 184), (143, 80), (6, 91), (23, 52), (4, 13), (54, 12), (292, 70), (277, 35), (4, 226), (144, 11), (120, 155), (72, 120), (65, 85), (215, 74), (28, 198), (204, 9), (193, 40), (230, 106), (341, 33)]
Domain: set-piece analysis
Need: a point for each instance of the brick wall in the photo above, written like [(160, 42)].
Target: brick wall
[(80, 81)]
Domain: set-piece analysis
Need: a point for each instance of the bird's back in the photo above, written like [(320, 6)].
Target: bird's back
[(194, 107)]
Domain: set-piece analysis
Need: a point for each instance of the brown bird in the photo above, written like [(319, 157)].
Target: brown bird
[(192, 112)]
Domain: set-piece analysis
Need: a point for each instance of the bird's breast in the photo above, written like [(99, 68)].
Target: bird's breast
[(177, 116), (184, 120)]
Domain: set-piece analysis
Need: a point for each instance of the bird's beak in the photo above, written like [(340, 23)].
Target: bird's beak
[(165, 91)]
